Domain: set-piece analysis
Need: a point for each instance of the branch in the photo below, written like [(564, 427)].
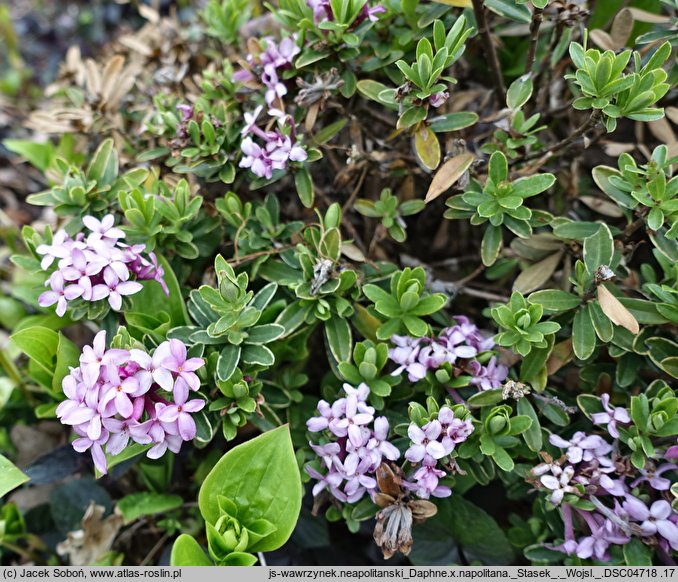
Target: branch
[(537, 17), (484, 31), (581, 130)]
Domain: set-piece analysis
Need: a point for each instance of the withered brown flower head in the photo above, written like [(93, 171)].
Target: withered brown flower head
[(393, 531)]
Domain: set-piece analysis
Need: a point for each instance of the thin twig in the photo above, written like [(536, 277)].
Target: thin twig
[(484, 31), (154, 550), (251, 256), (562, 144), (358, 186), (537, 17)]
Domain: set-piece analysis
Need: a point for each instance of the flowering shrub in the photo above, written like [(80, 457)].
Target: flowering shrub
[(346, 270)]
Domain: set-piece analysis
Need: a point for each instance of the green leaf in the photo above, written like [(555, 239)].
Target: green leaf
[(532, 435), (147, 503), (598, 249), (519, 92), (491, 244), (227, 362), (583, 335), (262, 477), (636, 553), (511, 9), (411, 116), (255, 354), (339, 338), (486, 398), (39, 155), (10, 476), (152, 300), (187, 552), (103, 168), (67, 356), (533, 185), (40, 345), (477, 534), (263, 334), (453, 121), (304, 184), (554, 300)]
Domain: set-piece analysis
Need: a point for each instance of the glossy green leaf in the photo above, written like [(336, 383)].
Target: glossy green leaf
[(187, 552), (10, 476), (147, 503), (262, 477)]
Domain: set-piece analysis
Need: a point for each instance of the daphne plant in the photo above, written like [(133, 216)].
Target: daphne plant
[(500, 201)]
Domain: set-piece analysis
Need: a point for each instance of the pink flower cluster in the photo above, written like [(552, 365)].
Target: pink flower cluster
[(95, 267), (429, 445), (274, 58), (279, 146), (357, 444), (589, 469), (322, 11), (461, 342), (116, 395), (656, 524)]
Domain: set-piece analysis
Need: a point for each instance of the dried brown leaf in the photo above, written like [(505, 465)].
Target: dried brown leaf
[(111, 76), (561, 354), (602, 39), (615, 311), (622, 25), (662, 130), (536, 275), (645, 16), (602, 206), (448, 174), (93, 78)]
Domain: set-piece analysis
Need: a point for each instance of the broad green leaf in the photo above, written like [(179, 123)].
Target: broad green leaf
[(10, 476), (583, 334), (532, 435), (151, 300), (40, 345), (304, 184), (636, 553), (461, 523), (147, 503), (453, 121), (255, 354), (598, 249), (262, 478), (228, 362), (491, 245), (187, 552), (510, 9), (68, 355), (39, 155), (519, 92), (339, 338), (103, 168), (486, 398), (554, 300)]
